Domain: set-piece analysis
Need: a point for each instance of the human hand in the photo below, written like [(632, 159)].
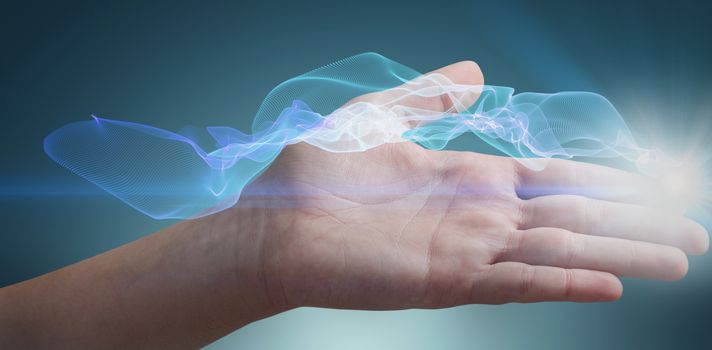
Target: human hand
[(393, 227), (399, 226)]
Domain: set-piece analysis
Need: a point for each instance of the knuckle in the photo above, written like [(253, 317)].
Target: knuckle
[(572, 248), (525, 213), (512, 243), (569, 280), (526, 280)]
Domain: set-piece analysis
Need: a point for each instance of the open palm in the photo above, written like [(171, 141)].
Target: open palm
[(399, 226)]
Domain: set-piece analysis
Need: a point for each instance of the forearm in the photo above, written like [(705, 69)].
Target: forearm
[(182, 287)]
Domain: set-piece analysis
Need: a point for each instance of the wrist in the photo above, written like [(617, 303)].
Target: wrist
[(240, 232)]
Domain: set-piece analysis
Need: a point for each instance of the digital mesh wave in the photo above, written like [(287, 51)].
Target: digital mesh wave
[(168, 175)]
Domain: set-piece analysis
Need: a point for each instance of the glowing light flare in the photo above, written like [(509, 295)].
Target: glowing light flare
[(682, 182)]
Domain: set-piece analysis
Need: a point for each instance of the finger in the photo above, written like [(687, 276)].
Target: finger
[(562, 248), (611, 219), (561, 176), (465, 73), (517, 282)]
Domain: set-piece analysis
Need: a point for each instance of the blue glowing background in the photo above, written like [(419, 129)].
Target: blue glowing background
[(170, 64)]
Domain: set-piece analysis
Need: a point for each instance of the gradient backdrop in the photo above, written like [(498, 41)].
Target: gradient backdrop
[(177, 64)]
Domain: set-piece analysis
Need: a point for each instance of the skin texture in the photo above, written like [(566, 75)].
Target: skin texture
[(394, 227)]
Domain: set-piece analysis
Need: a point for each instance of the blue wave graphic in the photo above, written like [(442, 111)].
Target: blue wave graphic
[(168, 175)]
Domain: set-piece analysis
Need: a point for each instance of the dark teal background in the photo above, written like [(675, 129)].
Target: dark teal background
[(175, 63)]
